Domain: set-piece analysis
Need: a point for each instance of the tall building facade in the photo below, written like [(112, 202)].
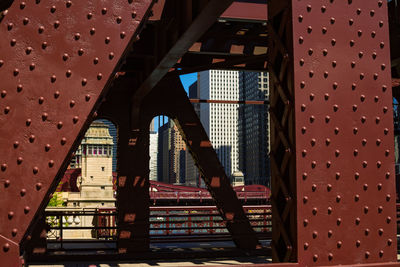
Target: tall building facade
[(254, 128), (153, 153), (220, 121), (171, 159)]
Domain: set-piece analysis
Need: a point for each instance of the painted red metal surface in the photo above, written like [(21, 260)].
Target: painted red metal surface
[(247, 11), (344, 133), (56, 58)]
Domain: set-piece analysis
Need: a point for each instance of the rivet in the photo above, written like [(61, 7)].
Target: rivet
[(364, 164), (44, 116), (329, 187), (324, 52), (389, 242), (51, 163), (334, 63), (31, 138), (335, 85), (32, 66), (330, 256), (337, 175), (63, 141), (327, 119), (122, 35), (87, 98), (41, 100), (387, 175), (374, 55), (19, 160), (1, 62), (352, 43), (364, 142), (16, 144), (338, 198), (302, 84), (10, 215), (330, 210), (72, 103), (107, 40), (355, 152), (38, 186), (84, 81), (68, 73), (335, 108), (363, 119), (65, 57), (333, 20), (385, 109), (333, 42), (92, 31), (304, 176), (104, 11), (387, 152), (134, 14), (380, 209), (351, 22), (324, 30), (362, 76), (312, 96), (353, 86), (304, 153), (28, 50), (16, 72), (13, 42), (56, 24), (47, 147), (99, 76), (35, 170), (327, 141), (356, 198), (358, 11), (315, 257), (23, 192), (314, 211), (7, 183), (68, 4), (27, 209), (303, 130), (323, 9), (330, 233), (25, 21), (305, 199), (375, 76), (382, 45), (380, 231), (44, 45), (80, 52), (312, 119), (367, 254), (77, 36), (328, 164), (40, 29), (377, 120), (28, 122), (89, 15), (306, 245), (358, 243), (56, 94), (381, 253), (111, 55), (388, 197), (313, 164), (14, 232), (325, 74), (53, 9), (119, 20), (315, 234), (7, 110), (22, 5), (75, 119), (6, 247), (10, 26), (366, 209)]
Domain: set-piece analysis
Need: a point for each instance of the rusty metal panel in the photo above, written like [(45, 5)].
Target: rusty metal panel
[(344, 132), (55, 59)]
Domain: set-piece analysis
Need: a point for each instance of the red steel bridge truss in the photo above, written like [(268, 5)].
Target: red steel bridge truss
[(65, 62)]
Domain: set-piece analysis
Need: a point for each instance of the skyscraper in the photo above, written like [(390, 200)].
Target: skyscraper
[(254, 128), (220, 121), (153, 153)]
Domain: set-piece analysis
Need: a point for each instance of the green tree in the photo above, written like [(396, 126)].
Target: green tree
[(56, 200)]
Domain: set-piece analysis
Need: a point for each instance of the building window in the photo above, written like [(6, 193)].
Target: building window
[(102, 169), (103, 187)]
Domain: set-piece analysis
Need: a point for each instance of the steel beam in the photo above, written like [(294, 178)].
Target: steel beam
[(56, 59)]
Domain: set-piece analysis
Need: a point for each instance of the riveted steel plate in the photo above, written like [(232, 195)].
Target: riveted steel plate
[(344, 132), (56, 58)]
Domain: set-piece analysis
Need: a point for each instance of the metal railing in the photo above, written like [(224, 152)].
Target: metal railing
[(166, 224)]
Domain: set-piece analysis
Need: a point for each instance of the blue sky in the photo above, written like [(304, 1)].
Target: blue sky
[(188, 79)]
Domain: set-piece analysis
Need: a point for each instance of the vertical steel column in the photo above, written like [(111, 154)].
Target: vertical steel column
[(343, 129), (132, 167)]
